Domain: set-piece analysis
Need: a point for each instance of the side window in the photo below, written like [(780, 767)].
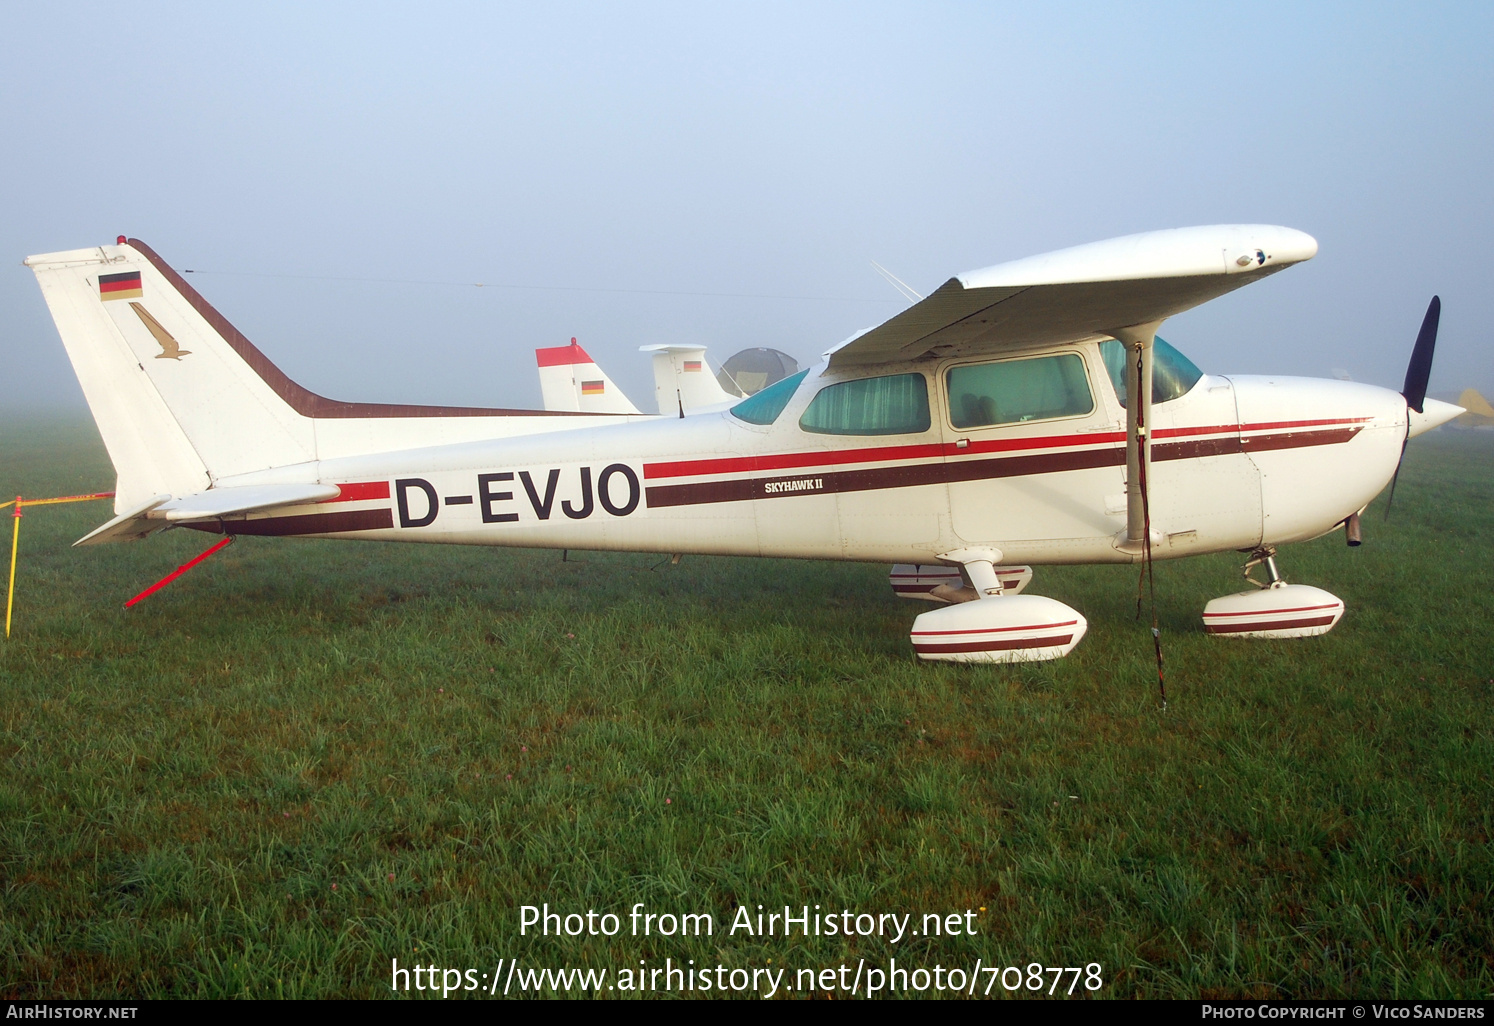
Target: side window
[(1014, 391), (765, 406), (897, 404), (1173, 374)]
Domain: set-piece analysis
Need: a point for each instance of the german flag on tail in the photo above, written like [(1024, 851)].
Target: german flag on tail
[(593, 387), (120, 286)]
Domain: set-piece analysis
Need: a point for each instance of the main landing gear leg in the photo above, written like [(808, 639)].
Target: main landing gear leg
[(994, 625), (1276, 609)]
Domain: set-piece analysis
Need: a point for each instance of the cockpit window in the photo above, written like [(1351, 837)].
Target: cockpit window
[(1016, 391), (896, 404), (1173, 374), (765, 406)]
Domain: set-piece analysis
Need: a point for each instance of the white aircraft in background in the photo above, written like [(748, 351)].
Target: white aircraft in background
[(983, 430)]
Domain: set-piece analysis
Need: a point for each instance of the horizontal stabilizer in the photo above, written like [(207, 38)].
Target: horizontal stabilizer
[(222, 502), (163, 511), (131, 525)]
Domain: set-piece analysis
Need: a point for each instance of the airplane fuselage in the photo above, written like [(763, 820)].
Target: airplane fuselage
[(1237, 463)]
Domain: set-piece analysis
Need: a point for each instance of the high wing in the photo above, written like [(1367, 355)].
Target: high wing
[(1085, 292)]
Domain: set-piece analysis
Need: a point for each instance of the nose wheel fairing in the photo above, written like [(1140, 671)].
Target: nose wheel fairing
[(1275, 609), (1285, 611)]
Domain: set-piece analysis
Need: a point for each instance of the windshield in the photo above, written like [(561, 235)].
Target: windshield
[(1173, 374), (765, 406)]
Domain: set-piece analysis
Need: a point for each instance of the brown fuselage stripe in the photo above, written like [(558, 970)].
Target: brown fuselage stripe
[(1300, 439), (1267, 625), (302, 400), (659, 496), (1002, 645), (310, 523), (743, 489)]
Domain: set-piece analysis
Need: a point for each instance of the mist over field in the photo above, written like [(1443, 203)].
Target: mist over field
[(295, 767), (340, 177)]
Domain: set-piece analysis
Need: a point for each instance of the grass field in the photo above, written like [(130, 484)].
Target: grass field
[(306, 758)]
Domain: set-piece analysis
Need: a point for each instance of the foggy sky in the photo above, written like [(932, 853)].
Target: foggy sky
[(698, 173)]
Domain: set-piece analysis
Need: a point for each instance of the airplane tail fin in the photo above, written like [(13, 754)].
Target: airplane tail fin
[(572, 382), (183, 400), (172, 385), (683, 383)]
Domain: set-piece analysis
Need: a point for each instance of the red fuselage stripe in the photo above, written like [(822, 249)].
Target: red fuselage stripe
[(935, 450), (361, 491)]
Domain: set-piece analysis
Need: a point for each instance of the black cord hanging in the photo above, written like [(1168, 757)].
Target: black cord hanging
[(1148, 574)]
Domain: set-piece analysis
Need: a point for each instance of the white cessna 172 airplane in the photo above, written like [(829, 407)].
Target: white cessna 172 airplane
[(982, 430)]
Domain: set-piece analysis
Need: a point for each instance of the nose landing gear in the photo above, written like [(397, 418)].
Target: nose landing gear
[(1276, 610)]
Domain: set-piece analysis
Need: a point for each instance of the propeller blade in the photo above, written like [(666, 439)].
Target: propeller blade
[(1420, 367), (1418, 371)]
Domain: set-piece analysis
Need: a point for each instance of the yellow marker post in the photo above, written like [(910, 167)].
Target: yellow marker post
[(15, 538), (15, 541)]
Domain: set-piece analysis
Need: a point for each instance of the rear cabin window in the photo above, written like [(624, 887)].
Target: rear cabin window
[(897, 404), (765, 406), (1173, 374), (1014, 391)]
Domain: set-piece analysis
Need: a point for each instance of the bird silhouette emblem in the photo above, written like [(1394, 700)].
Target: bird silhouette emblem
[(169, 348)]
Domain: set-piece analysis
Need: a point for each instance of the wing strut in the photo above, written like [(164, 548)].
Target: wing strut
[(1138, 341)]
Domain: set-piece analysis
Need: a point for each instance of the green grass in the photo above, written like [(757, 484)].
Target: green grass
[(182, 784)]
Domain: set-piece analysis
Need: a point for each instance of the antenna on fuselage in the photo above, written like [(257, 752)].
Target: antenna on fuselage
[(904, 289)]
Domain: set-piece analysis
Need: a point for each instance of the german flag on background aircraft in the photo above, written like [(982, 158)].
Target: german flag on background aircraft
[(692, 366), (593, 387), (120, 286)]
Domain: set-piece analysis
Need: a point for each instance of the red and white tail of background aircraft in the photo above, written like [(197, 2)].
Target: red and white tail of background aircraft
[(984, 430)]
